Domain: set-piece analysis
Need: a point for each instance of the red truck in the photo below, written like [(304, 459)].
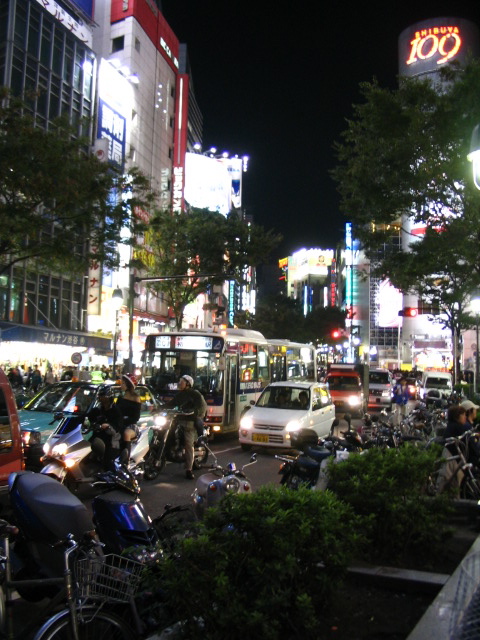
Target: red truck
[(347, 388)]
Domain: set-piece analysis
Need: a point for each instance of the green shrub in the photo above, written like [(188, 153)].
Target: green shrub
[(263, 565), (387, 488)]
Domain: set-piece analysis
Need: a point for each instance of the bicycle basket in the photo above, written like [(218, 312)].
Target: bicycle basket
[(111, 577)]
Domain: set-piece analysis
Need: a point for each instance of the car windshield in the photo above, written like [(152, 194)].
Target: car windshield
[(285, 397), (70, 398)]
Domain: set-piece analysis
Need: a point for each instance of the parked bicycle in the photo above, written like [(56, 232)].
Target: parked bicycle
[(90, 585)]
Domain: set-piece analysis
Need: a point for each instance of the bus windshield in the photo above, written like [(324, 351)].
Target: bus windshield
[(163, 370)]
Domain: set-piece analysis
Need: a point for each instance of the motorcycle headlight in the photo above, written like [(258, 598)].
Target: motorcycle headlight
[(246, 422), (59, 449), (353, 401), (232, 484), (160, 421), (293, 425)]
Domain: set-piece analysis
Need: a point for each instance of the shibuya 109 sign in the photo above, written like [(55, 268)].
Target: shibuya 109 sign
[(426, 46)]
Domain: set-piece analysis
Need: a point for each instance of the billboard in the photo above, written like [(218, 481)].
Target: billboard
[(213, 183), (427, 45)]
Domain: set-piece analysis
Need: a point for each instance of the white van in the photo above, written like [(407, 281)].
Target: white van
[(440, 383), (380, 388)]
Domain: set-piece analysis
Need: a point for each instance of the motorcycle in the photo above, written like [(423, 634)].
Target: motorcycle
[(309, 467), (74, 455), (168, 444), (212, 486)]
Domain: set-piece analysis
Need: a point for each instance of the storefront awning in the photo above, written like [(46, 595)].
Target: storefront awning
[(10, 332)]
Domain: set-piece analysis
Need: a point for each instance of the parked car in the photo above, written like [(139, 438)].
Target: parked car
[(285, 407), (11, 450), (39, 416), (380, 388)]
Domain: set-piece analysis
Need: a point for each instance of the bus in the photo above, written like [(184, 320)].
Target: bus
[(230, 368), (292, 361)]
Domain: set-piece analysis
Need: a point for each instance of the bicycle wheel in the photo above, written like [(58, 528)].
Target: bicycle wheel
[(92, 625)]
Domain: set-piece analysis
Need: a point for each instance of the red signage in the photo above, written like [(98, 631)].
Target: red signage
[(440, 43)]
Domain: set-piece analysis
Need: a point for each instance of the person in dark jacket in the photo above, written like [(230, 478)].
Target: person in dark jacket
[(130, 405), (189, 400), (109, 417)]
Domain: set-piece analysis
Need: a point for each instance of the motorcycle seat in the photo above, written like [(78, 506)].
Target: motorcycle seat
[(50, 510), (318, 454)]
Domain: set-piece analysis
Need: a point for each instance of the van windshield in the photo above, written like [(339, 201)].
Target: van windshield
[(437, 383), (379, 377), (343, 383)]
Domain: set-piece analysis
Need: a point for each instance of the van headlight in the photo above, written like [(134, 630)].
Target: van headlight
[(246, 422), (293, 425), (353, 401)]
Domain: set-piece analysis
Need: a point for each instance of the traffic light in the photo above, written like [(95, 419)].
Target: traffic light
[(408, 312), (336, 333)]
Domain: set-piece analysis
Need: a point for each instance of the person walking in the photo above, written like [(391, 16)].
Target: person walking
[(189, 400), (400, 400)]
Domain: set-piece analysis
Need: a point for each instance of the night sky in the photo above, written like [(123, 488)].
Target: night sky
[(277, 81)]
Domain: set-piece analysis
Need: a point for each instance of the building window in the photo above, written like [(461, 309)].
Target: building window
[(117, 44), (137, 44)]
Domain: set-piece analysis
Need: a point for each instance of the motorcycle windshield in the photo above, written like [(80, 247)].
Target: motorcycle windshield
[(68, 424)]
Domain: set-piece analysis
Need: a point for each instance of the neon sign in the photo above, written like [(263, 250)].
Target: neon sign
[(444, 42)]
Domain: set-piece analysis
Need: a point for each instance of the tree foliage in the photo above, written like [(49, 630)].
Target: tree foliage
[(201, 242), (403, 158), (56, 197), (278, 316)]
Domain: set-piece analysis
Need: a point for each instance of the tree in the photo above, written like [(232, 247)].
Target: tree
[(278, 316), (404, 158), (201, 242), (60, 206)]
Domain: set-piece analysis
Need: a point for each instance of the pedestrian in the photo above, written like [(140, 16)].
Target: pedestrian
[(130, 405), (36, 379), (189, 400), (49, 376), (400, 400), (471, 413)]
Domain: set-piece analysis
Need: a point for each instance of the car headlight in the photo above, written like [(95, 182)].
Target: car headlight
[(160, 421), (59, 449), (293, 425), (232, 484), (353, 401), (46, 448), (246, 422), (31, 437)]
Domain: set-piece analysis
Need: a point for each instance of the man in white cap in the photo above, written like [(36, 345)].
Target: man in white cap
[(188, 399), (471, 410)]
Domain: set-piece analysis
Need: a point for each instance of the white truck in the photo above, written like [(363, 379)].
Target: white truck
[(436, 385)]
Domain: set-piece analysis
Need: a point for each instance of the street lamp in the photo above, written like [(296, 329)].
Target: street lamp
[(117, 302), (475, 305)]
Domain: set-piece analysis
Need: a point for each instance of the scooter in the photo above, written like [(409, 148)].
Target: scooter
[(168, 444), (45, 512), (74, 455), (309, 467), (212, 486)]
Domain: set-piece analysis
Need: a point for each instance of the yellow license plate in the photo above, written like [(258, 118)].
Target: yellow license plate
[(259, 437)]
